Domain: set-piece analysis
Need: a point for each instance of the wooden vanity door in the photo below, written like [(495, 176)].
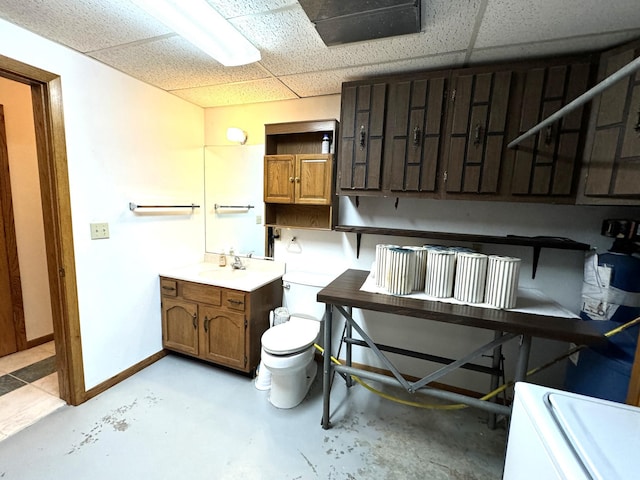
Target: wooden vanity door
[(223, 337), (180, 325)]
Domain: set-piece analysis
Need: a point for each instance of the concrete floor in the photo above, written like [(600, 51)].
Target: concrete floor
[(180, 418)]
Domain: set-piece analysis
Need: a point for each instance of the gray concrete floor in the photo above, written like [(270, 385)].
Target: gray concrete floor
[(180, 418)]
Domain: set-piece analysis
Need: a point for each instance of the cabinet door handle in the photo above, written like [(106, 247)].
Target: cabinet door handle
[(290, 179), (363, 136), (297, 179), (195, 320), (416, 136), (477, 134), (171, 289), (235, 302), (206, 323), (548, 136)]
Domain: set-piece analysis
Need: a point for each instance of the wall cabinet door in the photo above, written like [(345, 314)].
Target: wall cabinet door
[(612, 155), (546, 163), (477, 131), (180, 325), (279, 177), (361, 146), (223, 337), (414, 127), (303, 179)]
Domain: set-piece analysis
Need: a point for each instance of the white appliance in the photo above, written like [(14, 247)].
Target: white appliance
[(561, 435)]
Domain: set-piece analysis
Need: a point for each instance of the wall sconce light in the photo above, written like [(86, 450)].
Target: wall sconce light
[(236, 135)]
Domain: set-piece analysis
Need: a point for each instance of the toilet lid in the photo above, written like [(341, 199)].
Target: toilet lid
[(290, 337)]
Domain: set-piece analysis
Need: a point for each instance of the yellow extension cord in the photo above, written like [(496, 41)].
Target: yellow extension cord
[(459, 406)]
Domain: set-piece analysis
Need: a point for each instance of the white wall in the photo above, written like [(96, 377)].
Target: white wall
[(559, 272), (126, 142), (27, 207)]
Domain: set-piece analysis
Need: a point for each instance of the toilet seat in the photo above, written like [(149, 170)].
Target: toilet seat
[(291, 337)]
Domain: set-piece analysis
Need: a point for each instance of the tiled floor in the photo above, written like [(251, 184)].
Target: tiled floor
[(28, 388)]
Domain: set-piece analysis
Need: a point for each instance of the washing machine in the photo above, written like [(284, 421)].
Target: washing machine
[(558, 435)]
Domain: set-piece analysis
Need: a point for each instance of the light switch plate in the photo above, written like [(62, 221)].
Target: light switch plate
[(99, 231)]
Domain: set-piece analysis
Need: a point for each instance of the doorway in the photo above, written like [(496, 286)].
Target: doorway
[(46, 93)]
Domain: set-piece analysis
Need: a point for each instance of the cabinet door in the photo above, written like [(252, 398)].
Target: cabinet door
[(223, 337), (180, 325), (313, 179), (362, 130), (279, 176), (414, 129), (613, 168), (476, 138), (546, 163)]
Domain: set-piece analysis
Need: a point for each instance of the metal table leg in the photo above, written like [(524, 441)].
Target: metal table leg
[(326, 367), (348, 333), (495, 379), (523, 358)]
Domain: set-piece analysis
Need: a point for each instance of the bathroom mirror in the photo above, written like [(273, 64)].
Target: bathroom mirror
[(233, 178)]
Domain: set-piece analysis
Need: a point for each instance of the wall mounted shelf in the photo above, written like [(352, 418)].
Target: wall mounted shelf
[(536, 242)]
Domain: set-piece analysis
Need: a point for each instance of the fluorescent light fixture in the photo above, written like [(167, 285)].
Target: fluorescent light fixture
[(236, 135), (200, 24)]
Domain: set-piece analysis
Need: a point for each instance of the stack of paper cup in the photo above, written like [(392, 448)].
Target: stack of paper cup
[(502, 281), (471, 275), (381, 264), (441, 265), (401, 264), (421, 267)]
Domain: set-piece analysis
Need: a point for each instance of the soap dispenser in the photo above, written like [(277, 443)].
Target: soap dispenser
[(326, 141)]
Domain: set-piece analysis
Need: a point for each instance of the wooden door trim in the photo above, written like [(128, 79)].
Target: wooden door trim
[(46, 92), (11, 243)]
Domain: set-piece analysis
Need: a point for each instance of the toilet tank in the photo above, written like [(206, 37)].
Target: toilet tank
[(300, 290)]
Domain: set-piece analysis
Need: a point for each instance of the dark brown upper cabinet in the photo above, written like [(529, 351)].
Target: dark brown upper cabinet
[(546, 164), (414, 129), (477, 129), (361, 144), (611, 169)]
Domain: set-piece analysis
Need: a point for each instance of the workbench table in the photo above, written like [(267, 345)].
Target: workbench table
[(344, 293)]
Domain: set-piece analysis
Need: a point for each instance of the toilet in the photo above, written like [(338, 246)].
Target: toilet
[(287, 348)]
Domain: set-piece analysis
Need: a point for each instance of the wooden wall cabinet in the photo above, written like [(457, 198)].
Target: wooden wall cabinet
[(362, 115), (299, 180), (444, 134), (611, 172), (215, 324), (546, 165)]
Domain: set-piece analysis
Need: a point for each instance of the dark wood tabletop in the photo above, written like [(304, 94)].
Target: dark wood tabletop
[(345, 291)]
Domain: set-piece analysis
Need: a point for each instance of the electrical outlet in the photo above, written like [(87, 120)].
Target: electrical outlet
[(258, 219), (99, 230)]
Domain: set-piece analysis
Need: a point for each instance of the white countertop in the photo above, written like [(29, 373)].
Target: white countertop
[(256, 274)]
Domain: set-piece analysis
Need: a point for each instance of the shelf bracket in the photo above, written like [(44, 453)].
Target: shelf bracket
[(358, 240), (536, 257)]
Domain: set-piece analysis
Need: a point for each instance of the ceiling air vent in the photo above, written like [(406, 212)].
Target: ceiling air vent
[(348, 21)]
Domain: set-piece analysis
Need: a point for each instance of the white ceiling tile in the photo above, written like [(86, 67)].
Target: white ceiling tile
[(173, 63), (507, 22), (289, 43), (84, 25), (257, 91), (330, 82), (239, 8), (551, 48)]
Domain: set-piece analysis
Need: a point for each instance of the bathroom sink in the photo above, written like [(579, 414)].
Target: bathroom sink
[(224, 274)]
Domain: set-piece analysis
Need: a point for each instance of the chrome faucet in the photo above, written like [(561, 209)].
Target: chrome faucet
[(237, 263)]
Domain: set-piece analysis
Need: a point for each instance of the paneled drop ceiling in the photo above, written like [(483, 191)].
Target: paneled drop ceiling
[(296, 63)]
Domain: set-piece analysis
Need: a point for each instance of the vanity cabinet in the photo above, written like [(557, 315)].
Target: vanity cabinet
[(299, 180), (611, 172), (215, 324)]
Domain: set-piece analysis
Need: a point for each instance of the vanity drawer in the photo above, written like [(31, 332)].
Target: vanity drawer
[(200, 293), (168, 288), (233, 300)]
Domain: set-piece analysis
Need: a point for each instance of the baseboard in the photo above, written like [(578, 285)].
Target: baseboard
[(98, 389), (39, 341)]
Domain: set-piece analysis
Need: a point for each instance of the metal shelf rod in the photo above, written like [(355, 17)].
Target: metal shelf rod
[(133, 206)]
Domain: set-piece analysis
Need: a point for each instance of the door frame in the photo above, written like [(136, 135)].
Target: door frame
[(46, 94)]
